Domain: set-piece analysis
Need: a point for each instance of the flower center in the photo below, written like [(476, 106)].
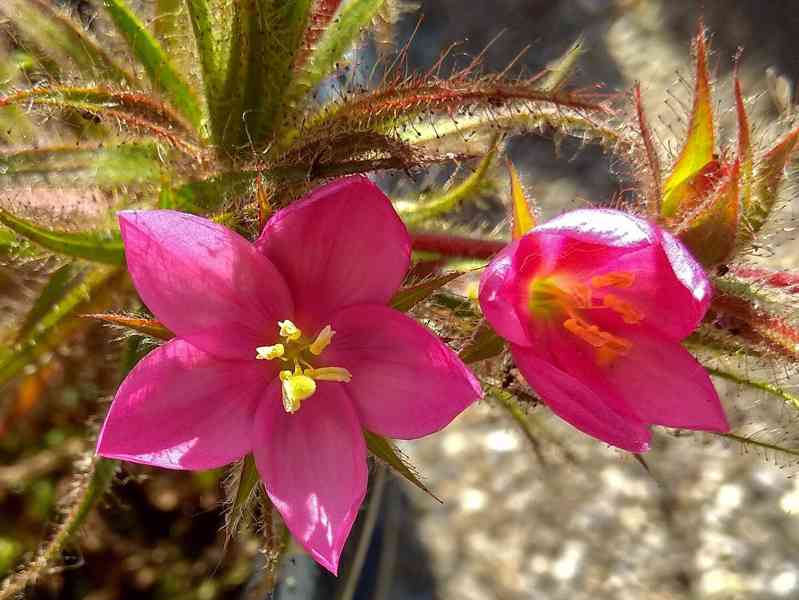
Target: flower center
[(555, 296), (299, 383)]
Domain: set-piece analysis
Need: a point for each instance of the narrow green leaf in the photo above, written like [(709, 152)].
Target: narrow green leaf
[(339, 36), (240, 492), (484, 344), (169, 25), (56, 323), (443, 203), (559, 70), (759, 444), (60, 37), (57, 285), (207, 25), (284, 23), (514, 408), (768, 180), (96, 247), (152, 57), (408, 297), (791, 399), (15, 127), (148, 327), (102, 166), (387, 452)]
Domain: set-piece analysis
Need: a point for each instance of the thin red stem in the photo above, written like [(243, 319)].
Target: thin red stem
[(781, 279), (456, 246)]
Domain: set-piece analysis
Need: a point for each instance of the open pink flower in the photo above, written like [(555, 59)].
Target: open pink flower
[(285, 349), (594, 304)]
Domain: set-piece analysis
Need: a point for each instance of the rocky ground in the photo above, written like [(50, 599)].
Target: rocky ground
[(579, 520)]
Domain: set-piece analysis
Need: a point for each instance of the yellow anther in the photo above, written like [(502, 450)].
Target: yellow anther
[(270, 352), (289, 331), (619, 279), (296, 388), (628, 312), (322, 340), (329, 374)]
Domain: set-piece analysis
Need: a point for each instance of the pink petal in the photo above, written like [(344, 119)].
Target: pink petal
[(662, 382), (181, 408), (406, 383), (605, 227), (583, 407), (344, 244), (313, 464), (502, 297), (204, 282)]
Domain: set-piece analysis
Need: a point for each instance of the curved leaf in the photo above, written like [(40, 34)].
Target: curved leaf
[(106, 166), (152, 57), (56, 324), (102, 248), (338, 37), (62, 38)]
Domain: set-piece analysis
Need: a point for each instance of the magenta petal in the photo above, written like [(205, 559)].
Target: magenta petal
[(579, 405), (313, 464), (181, 408), (344, 244), (406, 383), (501, 297), (665, 385), (204, 282)]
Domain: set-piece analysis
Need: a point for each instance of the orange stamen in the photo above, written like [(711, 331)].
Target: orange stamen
[(620, 279), (628, 312), (609, 347)]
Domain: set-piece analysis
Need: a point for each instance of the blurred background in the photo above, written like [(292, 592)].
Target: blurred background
[(558, 516)]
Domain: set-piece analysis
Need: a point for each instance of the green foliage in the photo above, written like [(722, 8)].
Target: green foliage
[(102, 248), (146, 49), (383, 449)]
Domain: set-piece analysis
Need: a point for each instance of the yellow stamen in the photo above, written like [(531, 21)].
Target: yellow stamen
[(628, 312), (289, 331), (270, 352), (296, 388), (620, 279), (322, 341), (330, 374)]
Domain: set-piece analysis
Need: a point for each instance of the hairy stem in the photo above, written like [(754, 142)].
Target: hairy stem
[(456, 246), (759, 385), (93, 485)]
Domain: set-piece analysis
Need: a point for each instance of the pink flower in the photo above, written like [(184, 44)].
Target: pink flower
[(594, 305), (285, 349)]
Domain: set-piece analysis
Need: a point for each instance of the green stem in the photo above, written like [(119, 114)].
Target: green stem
[(93, 487), (759, 385), (369, 522)]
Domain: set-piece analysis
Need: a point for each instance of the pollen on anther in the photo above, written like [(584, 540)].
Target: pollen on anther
[(270, 352), (289, 330), (619, 279), (322, 341)]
